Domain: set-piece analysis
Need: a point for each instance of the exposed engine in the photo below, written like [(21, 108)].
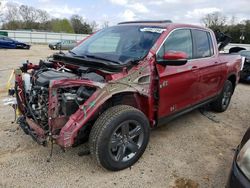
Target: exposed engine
[(36, 84)]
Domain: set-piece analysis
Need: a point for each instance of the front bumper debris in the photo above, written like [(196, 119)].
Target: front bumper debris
[(32, 129)]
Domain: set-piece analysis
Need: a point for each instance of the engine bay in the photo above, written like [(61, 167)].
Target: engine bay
[(36, 90)]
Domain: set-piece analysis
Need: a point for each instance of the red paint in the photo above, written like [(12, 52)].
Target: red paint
[(20, 90), (170, 88), (39, 131)]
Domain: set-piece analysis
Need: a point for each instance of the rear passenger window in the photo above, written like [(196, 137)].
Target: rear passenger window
[(179, 40), (210, 44), (202, 44)]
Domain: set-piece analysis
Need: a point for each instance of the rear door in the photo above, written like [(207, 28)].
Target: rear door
[(210, 67), (178, 84)]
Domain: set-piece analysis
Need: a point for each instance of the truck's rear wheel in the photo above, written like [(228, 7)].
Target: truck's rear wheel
[(119, 137), (222, 102)]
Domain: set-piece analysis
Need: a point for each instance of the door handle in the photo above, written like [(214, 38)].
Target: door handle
[(194, 67)]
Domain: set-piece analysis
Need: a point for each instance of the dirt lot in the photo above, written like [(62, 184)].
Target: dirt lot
[(191, 151)]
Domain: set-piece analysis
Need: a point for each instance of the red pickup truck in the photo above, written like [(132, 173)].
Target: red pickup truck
[(120, 82)]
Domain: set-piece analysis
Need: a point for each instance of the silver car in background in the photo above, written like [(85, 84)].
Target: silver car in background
[(63, 45)]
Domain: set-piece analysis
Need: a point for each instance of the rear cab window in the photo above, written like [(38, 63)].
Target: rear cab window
[(210, 43), (203, 46)]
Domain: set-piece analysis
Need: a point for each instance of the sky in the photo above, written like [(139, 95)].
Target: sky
[(114, 11)]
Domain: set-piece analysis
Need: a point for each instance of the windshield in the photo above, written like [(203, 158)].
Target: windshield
[(120, 43)]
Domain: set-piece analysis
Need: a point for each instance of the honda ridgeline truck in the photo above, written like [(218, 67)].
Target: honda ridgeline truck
[(119, 83)]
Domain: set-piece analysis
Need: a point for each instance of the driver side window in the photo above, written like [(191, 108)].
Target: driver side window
[(179, 40)]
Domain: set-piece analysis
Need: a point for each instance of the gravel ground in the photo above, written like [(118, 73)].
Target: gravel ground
[(191, 151)]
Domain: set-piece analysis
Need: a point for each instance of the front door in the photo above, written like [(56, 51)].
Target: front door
[(178, 84)]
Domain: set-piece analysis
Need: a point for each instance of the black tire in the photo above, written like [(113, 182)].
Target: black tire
[(222, 102), (117, 154)]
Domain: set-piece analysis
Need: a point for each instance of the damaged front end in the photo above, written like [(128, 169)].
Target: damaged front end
[(48, 94), (59, 101)]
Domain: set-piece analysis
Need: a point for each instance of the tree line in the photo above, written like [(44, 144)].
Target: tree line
[(239, 32), (20, 17), (29, 18)]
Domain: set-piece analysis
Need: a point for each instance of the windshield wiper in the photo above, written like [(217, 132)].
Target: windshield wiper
[(92, 56), (130, 60), (103, 58), (70, 51), (75, 55), (81, 61)]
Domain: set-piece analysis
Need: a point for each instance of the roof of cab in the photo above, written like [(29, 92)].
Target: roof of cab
[(161, 23), (146, 21)]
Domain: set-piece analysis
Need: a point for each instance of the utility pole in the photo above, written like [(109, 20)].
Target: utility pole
[(242, 37)]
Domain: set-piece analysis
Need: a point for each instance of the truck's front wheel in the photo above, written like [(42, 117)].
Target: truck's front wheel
[(119, 137)]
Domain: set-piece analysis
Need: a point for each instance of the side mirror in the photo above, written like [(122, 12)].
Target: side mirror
[(174, 58)]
